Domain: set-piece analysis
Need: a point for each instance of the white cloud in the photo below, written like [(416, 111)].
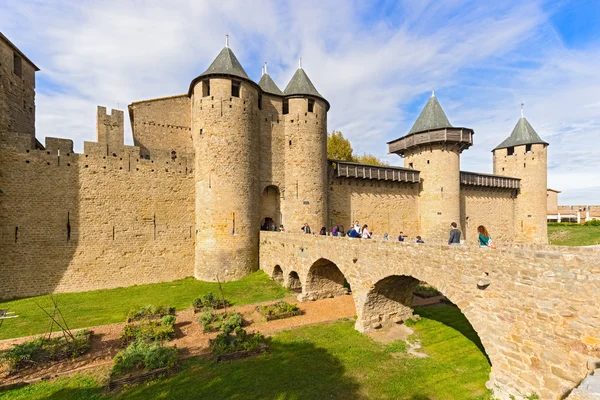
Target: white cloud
[(371, 64)]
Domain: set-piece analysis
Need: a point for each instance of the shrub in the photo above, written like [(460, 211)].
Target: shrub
[(279, 309), (144, 355), (150, 311), (42, 350), (149, 331), (426, 291), (225, 322), (226, 343), (209, 301), (594, 222)]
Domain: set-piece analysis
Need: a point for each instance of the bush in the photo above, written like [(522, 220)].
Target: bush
[(426, 291), (594, 222), (279, 309), (142, 355), (150, 311), (209, 301), (226, 343), (41, 350), (225, 322), (150, 331)]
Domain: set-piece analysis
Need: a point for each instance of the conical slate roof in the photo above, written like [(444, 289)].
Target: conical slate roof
[(269, 86), (226, 63), (301, 84), (432, 117), (522, 134)]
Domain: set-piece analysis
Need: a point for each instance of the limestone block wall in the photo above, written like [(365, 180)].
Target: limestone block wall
[(163, 123), (532, 168), (17, 93), (440, 187), (225, 134), (83, 221), (490, 207), (272, 142), (305, 165), (535, 318), (391, 207)]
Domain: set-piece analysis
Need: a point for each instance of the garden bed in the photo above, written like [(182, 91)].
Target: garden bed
[(279, 310), (209, 301), (41, 350), (263, 348), (224, 321), (150, 312), (149, 330), (139, 378)]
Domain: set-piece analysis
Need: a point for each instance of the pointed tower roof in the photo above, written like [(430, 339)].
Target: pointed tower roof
[(301, 84), (432, 117), (226, 63), (267, 84), (523, 133)]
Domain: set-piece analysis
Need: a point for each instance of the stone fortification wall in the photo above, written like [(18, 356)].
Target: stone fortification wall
[(163, 124), (389, 207), (225, 134), (305, 166), (91, 221), (530, 305), (492, 208), (17, 93), (272, 142)]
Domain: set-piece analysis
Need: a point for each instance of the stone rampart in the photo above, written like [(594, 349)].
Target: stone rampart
[(530, 305)]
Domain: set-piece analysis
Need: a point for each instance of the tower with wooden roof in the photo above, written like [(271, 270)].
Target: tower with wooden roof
[(524, 155), (433, 146)]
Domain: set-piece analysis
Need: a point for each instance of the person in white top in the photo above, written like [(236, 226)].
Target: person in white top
[(357, 227), (365, 232)]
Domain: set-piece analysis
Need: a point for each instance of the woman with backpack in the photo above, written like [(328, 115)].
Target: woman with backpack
[(484, 238)]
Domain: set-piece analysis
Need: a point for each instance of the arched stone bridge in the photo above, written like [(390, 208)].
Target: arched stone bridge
[(535, 308)]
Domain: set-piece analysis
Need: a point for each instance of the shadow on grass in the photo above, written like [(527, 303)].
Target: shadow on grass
[(296, 370), (451, 316)]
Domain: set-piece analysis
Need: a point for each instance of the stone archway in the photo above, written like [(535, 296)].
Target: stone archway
[(293, 282), (277, 275), (324, 280), (387, 303), (270, 209)]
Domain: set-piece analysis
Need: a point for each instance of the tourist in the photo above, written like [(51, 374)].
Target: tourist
[(454, 239), (352, 233), (385, 237), (365, 232), (419, 240), (323, 231), (341, 231), (306, 228), (484, 238), (281, 228), (335, 230), (401, 237), (357, 227)]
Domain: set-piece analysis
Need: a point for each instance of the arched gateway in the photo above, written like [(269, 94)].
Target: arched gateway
[(530, 305)]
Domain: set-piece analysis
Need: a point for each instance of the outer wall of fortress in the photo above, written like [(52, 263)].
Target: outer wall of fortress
[(122, 215)]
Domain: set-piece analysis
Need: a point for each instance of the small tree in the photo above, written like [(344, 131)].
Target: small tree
[(338, 147), (368, 158)]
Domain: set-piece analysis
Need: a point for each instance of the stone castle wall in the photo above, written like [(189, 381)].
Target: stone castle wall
[(79, 222), (391, 207), (17, 93), (162, 124), (490, 207)]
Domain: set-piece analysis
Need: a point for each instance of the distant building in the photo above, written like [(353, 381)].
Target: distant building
[(579, 214)]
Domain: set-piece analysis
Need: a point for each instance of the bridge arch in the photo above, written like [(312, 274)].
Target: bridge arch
[(277, 274), (293, 282), (324, 280)]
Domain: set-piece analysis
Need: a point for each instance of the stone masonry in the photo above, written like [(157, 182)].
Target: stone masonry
[(530, 305)]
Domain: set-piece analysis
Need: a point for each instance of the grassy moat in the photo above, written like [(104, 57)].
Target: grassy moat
[(573, 235)]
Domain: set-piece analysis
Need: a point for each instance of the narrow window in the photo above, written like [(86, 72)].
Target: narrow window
[(510, 151), (427, 161), (17, 64), (527, 148), (260, 101), (311, 105), (410, 165), (206, 88), (235, 88), (286, 107)]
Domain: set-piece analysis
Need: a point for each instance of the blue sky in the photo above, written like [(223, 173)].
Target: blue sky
[(376, 62)]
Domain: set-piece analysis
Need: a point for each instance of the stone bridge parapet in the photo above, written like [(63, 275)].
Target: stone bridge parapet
[(534, 308)]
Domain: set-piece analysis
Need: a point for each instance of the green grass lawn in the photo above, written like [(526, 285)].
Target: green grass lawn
[(327, 361), (101, 307), (574, 235)]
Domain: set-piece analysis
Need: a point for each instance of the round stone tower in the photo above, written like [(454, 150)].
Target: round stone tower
[(524, 155), (305, 123), (433, 146), (225, 136)]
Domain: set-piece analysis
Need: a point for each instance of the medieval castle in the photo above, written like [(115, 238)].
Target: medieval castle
[(211, 166)]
